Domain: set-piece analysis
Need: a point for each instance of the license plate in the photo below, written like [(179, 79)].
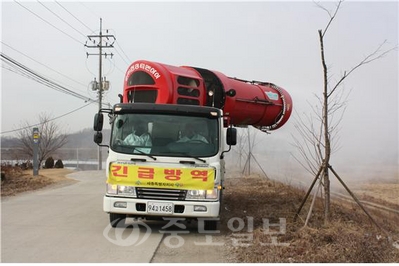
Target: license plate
[(159, 207)]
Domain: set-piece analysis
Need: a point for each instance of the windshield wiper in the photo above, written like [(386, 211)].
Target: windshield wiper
[(197, 158), (143, 153), (191, 156), (185, 154)]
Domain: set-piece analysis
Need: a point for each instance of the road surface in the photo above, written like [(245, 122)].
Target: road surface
[(67, 224)]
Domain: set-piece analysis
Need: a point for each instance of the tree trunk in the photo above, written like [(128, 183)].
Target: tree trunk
[(327, 147)]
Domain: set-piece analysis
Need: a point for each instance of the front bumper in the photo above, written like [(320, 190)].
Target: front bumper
[(138, 207)]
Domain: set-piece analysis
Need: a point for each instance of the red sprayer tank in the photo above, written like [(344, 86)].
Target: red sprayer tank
[(260, 104)]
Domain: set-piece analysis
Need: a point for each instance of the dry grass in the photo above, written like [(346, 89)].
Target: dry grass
[(18, 181), (349, 237), (385, 192)]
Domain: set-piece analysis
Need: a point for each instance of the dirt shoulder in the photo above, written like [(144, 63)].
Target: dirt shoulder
[(20, 181), (258, 218)]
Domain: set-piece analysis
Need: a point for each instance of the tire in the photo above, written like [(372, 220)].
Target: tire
[(210, 225), (117, 219)]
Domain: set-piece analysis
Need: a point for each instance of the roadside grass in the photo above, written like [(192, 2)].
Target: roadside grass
[(350, 236), (18, 180)]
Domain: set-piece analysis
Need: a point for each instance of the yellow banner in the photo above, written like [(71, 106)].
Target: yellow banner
[(161, 177)]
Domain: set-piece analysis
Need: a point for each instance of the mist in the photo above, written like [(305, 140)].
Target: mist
[(366, 144), (273, 41)]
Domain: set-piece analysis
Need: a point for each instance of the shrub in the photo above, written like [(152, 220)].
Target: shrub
[(59, 164), (49, 163), (25, 166)]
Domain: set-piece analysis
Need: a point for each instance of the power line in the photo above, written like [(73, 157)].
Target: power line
[(90, 10), (74, 16), (104, 104), (73, 38), (30, 126), (41, 79), (129, 61), (44, 65), (121, 56), (24, 74), (60, 18), (120, 70), (25, 71)]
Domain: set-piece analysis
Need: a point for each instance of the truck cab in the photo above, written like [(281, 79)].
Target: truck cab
[(164, 161)]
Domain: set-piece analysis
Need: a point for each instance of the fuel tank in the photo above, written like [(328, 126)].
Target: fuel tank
[(261, 104)]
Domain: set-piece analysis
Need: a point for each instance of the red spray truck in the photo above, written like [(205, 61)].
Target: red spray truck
[(169, 134)]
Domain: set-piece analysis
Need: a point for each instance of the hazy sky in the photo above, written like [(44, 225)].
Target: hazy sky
[(269, 41)]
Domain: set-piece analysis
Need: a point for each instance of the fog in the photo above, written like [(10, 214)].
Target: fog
[(269, 41)]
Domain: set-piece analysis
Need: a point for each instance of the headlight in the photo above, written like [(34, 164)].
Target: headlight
[(127, 191), (212, 194), (202, 194), (195, 194), (112, 189), (121, 190)]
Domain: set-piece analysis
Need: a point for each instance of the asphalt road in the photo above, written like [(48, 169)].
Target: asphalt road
[(67, 224)]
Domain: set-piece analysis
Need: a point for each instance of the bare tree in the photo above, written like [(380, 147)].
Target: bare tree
[(51, 138), (320, 138)]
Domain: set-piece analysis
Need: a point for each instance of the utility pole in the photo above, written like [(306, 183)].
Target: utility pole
[(100, 41)]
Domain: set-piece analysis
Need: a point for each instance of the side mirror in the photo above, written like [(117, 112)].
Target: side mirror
[(231, 136), (98, 137), (98, 122)]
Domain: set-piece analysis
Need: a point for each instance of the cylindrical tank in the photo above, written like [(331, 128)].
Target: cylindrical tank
[(260, 104)]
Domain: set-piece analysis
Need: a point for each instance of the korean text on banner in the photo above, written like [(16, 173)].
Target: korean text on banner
[(161, 177)]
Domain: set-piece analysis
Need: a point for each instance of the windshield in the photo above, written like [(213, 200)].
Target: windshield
[(165, 135)]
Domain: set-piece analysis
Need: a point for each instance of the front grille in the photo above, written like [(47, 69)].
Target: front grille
[(160, 194)]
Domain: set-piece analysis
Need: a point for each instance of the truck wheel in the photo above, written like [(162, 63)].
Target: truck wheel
[(210, 225), (117, 219)]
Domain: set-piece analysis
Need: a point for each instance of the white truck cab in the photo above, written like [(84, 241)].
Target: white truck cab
[(164, 161)]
